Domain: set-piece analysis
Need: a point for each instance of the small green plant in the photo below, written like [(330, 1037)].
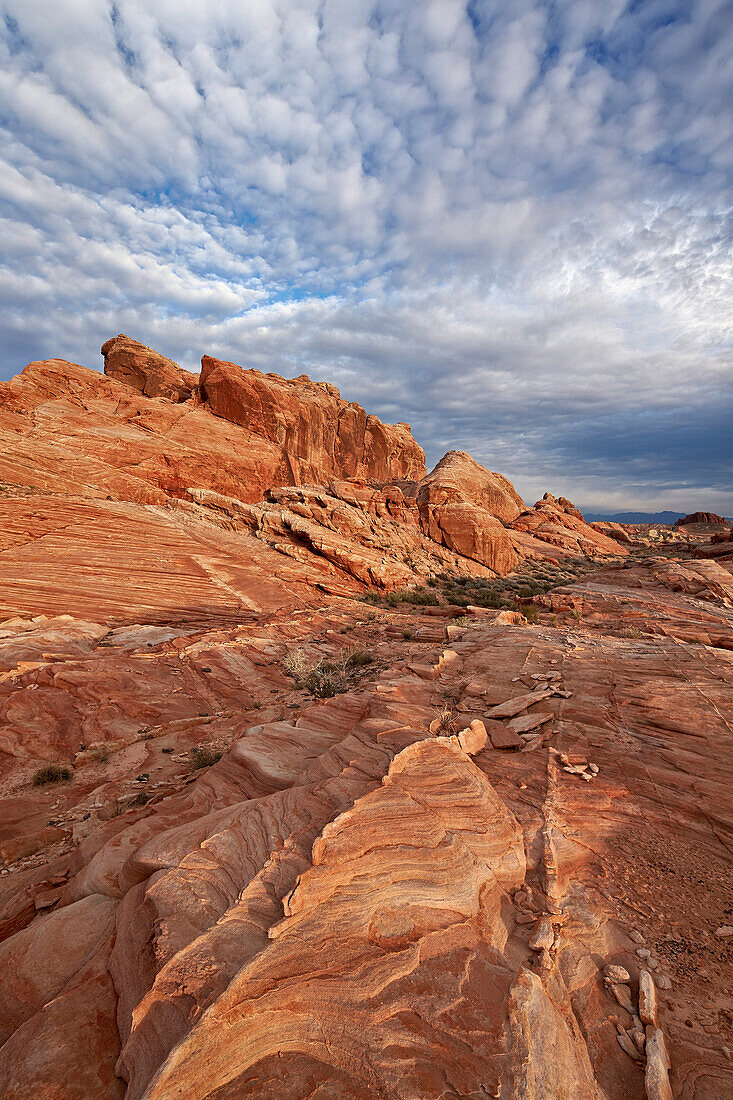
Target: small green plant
[(51, 773), (463, 620), (101, 756), (631, 632), (531, 613), (371, 597), (203, 757), (577, 614), (417, 596), (139, 800)]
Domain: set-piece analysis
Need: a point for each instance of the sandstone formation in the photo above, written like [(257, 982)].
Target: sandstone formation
[(557, 522), (146, 370), (701, 517), (320, 435), (259, 839), (255, 928)]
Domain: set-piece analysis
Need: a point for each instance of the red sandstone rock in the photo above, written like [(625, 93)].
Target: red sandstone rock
[(701, 517), (342, 904), (559, 523), (320, 435), (146, 371), (462, 505)]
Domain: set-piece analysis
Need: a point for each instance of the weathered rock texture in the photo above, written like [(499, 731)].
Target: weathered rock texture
[(149, 446), (464, 507), (347, 903), (320, 435), (298, 847), (146, 371)]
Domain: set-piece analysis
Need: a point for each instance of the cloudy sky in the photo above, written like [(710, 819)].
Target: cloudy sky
[(506, 223)]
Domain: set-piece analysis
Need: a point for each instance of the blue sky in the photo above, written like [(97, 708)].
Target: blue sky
[(508, 224)]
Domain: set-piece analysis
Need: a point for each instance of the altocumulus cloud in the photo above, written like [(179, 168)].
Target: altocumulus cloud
[(506, 223)]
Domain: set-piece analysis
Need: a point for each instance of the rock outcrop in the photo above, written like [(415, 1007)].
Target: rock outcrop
[(710, 518), (464, 506), (557, 522), (247, 890), (146, 371), (320, 435)]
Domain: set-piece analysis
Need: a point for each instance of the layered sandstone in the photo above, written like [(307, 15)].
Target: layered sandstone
[(146, 370), (557, 522), (347, 903), (320, 435), (464, 506)]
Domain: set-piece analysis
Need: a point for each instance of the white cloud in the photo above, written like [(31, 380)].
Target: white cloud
[(498, 221)]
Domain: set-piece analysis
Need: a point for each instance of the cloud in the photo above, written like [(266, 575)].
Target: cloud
[(507, 224)]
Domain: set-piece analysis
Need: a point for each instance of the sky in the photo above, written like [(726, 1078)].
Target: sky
[(508, 224)]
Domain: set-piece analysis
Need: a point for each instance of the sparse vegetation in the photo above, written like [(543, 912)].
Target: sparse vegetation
[(407, 635), (358, 658), (446, 719), (631, 632), (203, 757), (52, 773), (531, 613), (325, 680), (297, 664)]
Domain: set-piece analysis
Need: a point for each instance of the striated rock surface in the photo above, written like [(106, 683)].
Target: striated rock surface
[(259, 839), (347, 903), (557, 522)]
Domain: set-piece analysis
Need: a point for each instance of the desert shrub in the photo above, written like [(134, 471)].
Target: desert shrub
[(139, 800), (631, 632), (433, 582), (325, 682), (458, 597), (489, 599), (51, 773), (419, 597), (407, 635), (358, 658), (531, 613), (446, 719), (101, 756), (371, 597), (203, 757), (577, 614), (297, 664)]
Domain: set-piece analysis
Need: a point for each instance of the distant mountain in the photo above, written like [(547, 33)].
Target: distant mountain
[(633, 517)]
